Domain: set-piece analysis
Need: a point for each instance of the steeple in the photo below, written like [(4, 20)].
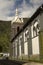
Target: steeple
[(16, 18), (16, 12)]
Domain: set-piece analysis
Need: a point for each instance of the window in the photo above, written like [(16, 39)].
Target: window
[(18, 28), (26, 35), (20, 39), (34, 31), (38, 29)]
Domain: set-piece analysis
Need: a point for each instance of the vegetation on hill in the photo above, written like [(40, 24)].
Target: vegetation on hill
[(4, 36), (41, 45)]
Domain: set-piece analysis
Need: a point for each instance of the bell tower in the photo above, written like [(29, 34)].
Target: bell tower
[(16, 24)]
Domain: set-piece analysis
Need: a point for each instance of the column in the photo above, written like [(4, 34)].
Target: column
[(18, 47), (22, 43), (29, 41)]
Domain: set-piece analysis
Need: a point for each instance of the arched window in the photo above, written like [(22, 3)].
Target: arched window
[(26, 34), (18, 28), (38, 29), (34, 31)]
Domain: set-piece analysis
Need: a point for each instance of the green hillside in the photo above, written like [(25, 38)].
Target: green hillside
[(41, 45), (4, 36)]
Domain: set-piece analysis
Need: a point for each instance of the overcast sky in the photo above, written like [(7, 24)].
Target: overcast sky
[(25, 7)]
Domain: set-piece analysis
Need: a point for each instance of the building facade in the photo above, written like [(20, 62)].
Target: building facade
[(16, 24), (27, 41)]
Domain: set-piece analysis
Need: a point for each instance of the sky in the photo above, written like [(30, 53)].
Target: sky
[(26, 8)]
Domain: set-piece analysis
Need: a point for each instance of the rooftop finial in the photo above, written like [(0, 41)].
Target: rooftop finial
[(16, 12)]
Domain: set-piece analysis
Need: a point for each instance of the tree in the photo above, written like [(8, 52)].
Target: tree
[(5, 35)]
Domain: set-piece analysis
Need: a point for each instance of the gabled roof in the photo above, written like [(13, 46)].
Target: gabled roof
[(19, 20), (38, 11), (16, 19)]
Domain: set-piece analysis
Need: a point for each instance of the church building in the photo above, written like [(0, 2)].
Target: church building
[(27, 35), (16, 24)]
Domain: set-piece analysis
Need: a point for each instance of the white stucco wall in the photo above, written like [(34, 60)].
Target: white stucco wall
[(35, 42), (35, 45), (13, 49), (20, 53), (32, 30), (16, 49), (26, 48), (19, 48)]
